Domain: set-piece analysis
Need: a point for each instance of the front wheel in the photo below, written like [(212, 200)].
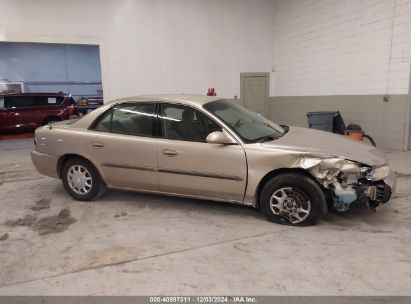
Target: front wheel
[(293, 199), (81, 180)]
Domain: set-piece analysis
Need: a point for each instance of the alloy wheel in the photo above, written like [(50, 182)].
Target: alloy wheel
[(79, 179), (291, 204)]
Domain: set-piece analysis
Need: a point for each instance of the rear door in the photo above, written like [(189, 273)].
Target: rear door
[(122, 144), (5, 120), (51, 105), (188, 165), (48, 108), (22, 115)]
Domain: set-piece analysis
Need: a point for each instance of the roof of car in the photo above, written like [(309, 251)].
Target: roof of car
[(193, 100), (181, 98)]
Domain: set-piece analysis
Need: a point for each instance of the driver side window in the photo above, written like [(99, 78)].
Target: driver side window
[(185, 123)]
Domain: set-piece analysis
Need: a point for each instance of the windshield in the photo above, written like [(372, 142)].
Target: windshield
[(250, 126)]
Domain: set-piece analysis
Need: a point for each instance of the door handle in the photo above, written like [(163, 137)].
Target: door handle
[(97, 145), (169, 152)]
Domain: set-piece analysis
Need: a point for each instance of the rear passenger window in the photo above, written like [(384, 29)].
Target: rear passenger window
[(103, 122), (33, 101), (19, 101), (44, 101), (131, 119)]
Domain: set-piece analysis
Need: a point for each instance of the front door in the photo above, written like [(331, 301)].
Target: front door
[(188, 165), (123, 146)]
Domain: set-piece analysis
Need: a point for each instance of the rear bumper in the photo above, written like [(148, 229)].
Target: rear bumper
[(46, 164)]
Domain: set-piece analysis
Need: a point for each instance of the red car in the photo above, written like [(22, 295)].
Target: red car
[(24, 112), (95, 100)]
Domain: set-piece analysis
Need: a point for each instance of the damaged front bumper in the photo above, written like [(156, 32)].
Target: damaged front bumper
[(364, 188), (381, 191), (349, 182), (373, 193)]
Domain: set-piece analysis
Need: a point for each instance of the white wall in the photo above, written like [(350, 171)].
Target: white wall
[(154, 46), (342, 47)]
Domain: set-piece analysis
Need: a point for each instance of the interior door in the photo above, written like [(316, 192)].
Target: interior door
[(123, 145), (254, 92), (188, 165)]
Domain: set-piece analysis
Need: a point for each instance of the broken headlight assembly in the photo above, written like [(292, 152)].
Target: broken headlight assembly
[(350, 181), (367, 185), (377, 173)]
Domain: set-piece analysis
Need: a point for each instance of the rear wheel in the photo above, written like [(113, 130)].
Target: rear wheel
[(293, 199), (81, 179)]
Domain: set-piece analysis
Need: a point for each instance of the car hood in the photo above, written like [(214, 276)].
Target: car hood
[(328, 144)]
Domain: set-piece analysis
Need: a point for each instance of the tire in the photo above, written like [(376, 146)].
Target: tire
[(293, 199), (89, 186), (50, 120)]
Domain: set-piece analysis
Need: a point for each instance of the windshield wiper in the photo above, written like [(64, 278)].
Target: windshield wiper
[(266, 138), (285, 128), (273, 126)]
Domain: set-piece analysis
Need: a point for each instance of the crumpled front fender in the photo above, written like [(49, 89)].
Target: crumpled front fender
[(391, 181)]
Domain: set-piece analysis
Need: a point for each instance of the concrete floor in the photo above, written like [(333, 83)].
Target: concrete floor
[(133, 244)]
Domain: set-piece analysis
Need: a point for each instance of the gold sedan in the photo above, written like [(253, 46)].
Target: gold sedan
[(210, 148)]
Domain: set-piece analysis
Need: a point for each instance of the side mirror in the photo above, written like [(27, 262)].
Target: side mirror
[(220, 138)]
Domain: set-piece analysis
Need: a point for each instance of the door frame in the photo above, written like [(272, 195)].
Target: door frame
[(266, 75), (199, 174)]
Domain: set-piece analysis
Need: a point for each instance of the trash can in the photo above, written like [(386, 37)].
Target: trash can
[(321, 120)]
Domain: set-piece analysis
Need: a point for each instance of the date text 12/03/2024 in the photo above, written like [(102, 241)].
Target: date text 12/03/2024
[(203, 299)]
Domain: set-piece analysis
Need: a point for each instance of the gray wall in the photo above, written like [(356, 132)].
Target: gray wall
[(384, 121), (358, 49), (45, 67)]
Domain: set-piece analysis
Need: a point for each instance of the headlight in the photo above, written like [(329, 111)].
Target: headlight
[(378, 173)]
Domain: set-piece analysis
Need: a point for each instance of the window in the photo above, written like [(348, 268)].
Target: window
[(103, 122), (19, 101), (44, 101), (26, 101), (250, 126), (72, 101), (132, 119), (184, 123), (2, 106)]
